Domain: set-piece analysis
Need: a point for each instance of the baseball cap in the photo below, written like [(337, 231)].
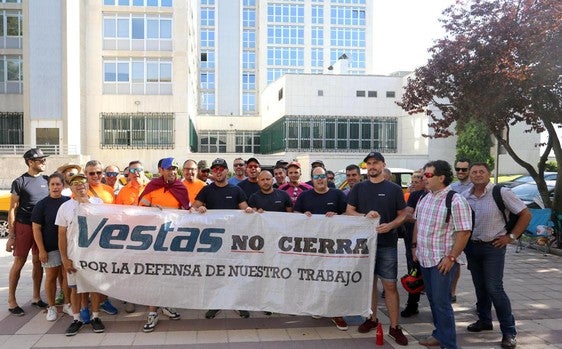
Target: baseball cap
[(168, 163), (294, 163), (219, 162), (68, 166), (34, 153), (318, 163), (281, 163), (252, 160), (78, 175), (374, 154), (202, 165)]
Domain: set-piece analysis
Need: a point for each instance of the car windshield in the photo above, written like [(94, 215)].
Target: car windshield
[(526, 192)]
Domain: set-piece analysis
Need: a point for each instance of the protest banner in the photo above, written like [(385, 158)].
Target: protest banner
[(225, 259)]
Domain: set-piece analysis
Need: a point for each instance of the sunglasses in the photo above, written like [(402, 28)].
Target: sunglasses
[(112, 174), (94, 173), (238, 165), (319, 176), (42, 160), (429, 175), (218, 169), (135, 170), (78, 181), (461, 169)]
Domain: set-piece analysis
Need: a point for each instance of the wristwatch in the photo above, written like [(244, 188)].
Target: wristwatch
[(512, 237), (451, 258)]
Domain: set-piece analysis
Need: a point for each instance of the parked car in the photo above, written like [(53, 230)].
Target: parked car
[(548, 176), (529, 193), (400, 176), (4, 207)]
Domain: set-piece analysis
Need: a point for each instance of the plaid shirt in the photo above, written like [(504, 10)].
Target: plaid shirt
[(435, 238), (489, 222)]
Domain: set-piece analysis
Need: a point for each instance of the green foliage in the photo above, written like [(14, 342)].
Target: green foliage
[(474, 142), (551, 166)]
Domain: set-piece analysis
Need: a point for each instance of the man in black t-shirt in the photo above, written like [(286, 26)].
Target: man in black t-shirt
[(220, 195), (26, 191), (269, 198), (379, 198), (250, 184)]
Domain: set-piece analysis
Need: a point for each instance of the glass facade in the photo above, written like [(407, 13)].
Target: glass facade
[(11, 29), (11, 74), (325, 134), (139, 32), (142, 76)]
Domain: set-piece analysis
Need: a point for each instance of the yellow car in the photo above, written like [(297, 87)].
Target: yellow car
[(4, 207)]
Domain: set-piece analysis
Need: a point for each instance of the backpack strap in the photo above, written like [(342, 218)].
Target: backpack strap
[(448, 204), (497, 194)]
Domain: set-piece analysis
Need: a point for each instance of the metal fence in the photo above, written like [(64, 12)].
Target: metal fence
[(48, 149)]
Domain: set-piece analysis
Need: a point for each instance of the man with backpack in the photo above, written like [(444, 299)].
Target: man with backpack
[(486, 249), (442, 229)]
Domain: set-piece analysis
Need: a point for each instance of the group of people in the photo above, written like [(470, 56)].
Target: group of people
[(436, 232)]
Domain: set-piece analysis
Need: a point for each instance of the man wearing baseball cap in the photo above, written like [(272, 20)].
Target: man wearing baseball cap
[(294, 187), (220, 195), (27, 190), (68, 170), (379, 198)]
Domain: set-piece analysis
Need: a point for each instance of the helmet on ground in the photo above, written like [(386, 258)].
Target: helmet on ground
[(413, 282)]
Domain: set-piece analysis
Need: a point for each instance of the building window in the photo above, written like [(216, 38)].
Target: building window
[(285, 13), (152, 3), (207, 105), (248, 103), (249, 18), (248, 81), (372, 94), (11, 128), (207, 59), (207, 38), (11, 29), (11, 74), (348, 15), (139, 32), (356, 58), (249, 38), (247, 142), (286, 56), (275, 73), (360, 93), (317, 38), (285, 35), (142, 76), (248, 59), (207, 16), (348, 37), (137, 130), (207, 80), (212, 141), (390, 94)]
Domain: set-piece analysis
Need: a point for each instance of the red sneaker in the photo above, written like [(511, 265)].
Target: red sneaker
[(368, 325), (340, 323)]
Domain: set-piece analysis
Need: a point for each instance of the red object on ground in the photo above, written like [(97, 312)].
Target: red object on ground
[(380, 339)]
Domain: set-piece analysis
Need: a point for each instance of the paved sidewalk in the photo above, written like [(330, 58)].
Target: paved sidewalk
[(533, 282)]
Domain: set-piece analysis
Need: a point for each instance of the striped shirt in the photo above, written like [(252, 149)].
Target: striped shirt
[(436, 238), (489, 222)]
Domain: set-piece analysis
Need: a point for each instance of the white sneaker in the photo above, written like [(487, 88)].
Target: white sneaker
[(151, 322), (171, 313), (52, 313), (67, 309)]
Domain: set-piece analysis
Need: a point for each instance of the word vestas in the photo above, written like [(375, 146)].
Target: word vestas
[(115, 236)]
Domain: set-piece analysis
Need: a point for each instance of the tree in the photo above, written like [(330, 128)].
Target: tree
[(474, 142), (500, 64)]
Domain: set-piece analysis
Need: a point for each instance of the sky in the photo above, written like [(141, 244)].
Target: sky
[(404, 30)]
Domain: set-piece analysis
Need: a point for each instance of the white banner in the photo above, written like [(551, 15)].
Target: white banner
[(226, 259)]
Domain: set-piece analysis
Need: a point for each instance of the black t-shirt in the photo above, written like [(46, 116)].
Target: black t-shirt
[(330, 184), (334, 200), (30, 190), (44, 214), (413, 200), (221, 198), (249, 187), (277, 201), (386, 198)]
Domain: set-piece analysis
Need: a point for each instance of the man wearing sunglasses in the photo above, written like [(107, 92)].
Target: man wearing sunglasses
[(112, 174), (191, 182), (68, 170), (129, 194), (440, 235), (239, 168), (250, 184), (165, 191), (65, 219), (220, 195), (463, 183), (27, 190), (325, 201), (94, 172)]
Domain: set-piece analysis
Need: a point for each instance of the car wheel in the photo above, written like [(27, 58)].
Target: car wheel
[(3, 228)]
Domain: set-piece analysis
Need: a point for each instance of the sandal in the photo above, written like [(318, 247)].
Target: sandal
[(17, 311)]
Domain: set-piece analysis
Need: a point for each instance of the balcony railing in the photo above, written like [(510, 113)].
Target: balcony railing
[(48, 149)]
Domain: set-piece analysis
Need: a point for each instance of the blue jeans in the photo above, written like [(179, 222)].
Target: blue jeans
[(486, 264), (438, 291)]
